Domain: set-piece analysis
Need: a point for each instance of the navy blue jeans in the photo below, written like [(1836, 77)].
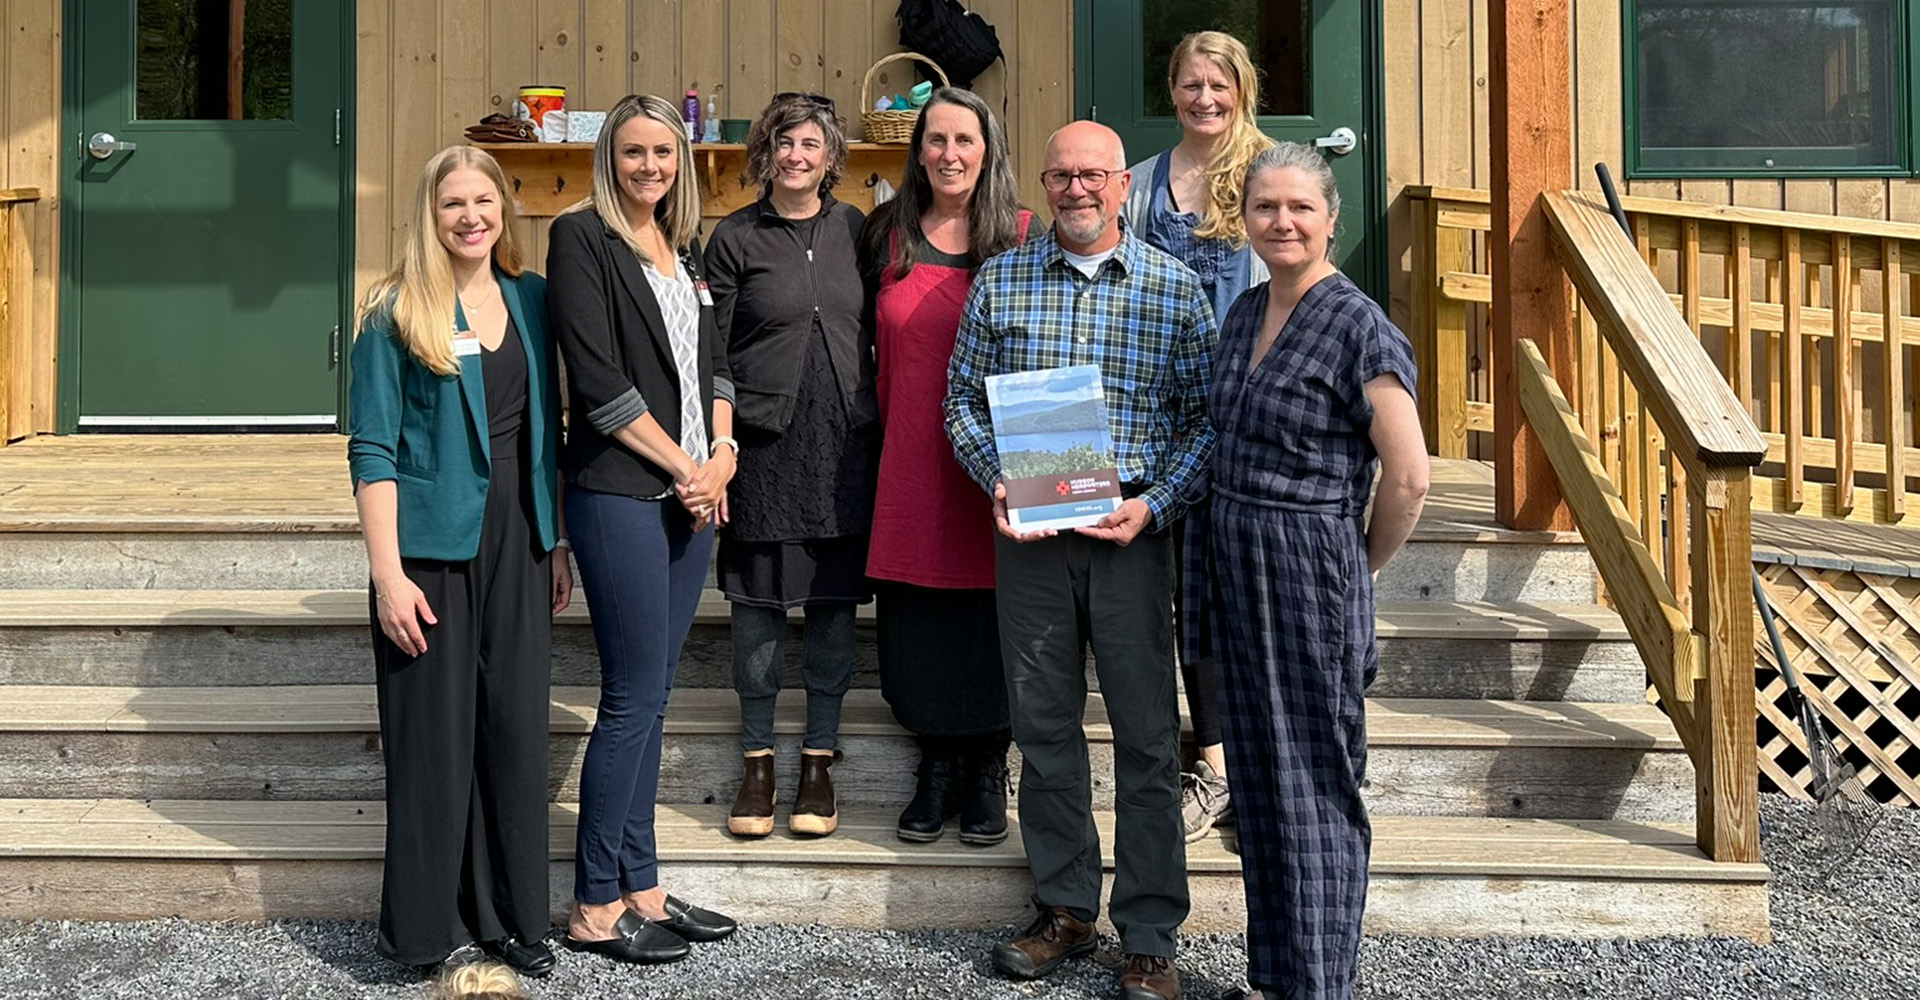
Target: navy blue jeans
[(642, 567)]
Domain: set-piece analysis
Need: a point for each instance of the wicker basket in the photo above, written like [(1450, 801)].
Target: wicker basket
[(891, 126)]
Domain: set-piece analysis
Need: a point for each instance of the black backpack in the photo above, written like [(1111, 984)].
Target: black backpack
[(961, 41)]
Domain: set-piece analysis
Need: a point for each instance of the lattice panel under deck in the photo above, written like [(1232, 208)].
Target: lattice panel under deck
[(1855, 639)]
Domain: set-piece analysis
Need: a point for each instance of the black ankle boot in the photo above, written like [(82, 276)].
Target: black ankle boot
[(935, 800), (984, 787)]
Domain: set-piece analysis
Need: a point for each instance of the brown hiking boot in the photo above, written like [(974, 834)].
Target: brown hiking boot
[(814, 811), (1055, 936), (1149, 977), (752, 814)]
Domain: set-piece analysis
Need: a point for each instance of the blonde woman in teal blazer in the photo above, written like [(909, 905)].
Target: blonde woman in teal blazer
[(455, 425)]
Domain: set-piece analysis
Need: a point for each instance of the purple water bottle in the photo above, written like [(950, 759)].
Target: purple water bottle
[(690, 110)]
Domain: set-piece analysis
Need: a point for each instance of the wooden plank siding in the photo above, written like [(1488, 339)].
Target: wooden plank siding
[(426, 68), (745, 50)]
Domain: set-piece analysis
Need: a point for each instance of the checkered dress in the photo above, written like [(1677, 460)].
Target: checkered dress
[(1293, 621)]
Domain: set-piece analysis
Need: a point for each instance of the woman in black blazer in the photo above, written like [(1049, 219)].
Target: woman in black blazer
[(648, 457)]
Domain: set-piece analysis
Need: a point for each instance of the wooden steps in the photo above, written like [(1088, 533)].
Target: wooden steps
[(178, 513), (213, 753), (349, 708), (263, 859), (1426, 756), (102, 608), (1431, 649), (1439, 565)]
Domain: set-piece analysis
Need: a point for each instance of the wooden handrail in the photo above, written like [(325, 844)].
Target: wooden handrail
[(1769, 218), (1691, 399), (1675, 552), (1795, 310), (1433, 192), (1646, 603)]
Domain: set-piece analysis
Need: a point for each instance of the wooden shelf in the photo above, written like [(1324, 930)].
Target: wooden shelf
[(549, 176)]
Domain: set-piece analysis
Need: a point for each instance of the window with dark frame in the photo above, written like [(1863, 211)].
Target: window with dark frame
[(1765, 87), (1275, 32), (214, 60)]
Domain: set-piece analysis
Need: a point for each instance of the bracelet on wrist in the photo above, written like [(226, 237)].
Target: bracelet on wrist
[(724, 440), (562, 543)]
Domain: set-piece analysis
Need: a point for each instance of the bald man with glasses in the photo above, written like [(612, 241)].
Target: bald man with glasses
[(1090, 292)]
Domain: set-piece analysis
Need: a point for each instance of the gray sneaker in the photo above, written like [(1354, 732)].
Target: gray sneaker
[(1204, 803)]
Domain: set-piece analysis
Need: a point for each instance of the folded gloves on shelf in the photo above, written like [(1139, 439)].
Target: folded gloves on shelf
[(501, 128)]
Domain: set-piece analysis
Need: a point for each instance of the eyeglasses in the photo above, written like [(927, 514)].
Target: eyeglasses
[(817, 100), (1060, 180)]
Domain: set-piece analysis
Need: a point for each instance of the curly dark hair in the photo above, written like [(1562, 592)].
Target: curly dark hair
[(782, 116)]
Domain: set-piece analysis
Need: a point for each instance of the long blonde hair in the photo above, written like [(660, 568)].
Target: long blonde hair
[(481, 981), (679, 212), (1228, 168), (419, 290)]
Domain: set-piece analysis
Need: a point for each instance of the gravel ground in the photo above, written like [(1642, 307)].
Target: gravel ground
[(1850, 932)]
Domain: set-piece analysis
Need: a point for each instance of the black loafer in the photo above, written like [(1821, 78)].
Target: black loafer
[(533, 960), (466, 954), (640, 941), (695, 924)]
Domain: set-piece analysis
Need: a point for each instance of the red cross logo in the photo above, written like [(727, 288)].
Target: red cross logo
[(1062, 488)]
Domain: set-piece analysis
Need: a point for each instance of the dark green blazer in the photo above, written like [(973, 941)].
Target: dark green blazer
[(429, 432)]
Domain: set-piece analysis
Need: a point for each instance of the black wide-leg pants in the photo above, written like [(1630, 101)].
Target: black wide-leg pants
[(464, 732)]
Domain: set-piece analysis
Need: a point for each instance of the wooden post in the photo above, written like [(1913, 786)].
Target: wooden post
[(1531, 104), (1895, 392), (1727, 781), (1452, 251), (7, 360), (1426, 289), (1846, 411)]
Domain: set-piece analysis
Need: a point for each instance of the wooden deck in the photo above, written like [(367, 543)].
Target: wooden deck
[(146, 569), (1822, 543), (131, 482), (298, 482)]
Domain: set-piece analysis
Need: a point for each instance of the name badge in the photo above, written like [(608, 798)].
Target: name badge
[(465, 345), (706, 297)]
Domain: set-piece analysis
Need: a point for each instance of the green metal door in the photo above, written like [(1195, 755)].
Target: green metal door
[(1318, 66), (205, 263)]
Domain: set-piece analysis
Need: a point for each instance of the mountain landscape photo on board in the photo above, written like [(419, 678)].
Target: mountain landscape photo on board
[(1056, 447)]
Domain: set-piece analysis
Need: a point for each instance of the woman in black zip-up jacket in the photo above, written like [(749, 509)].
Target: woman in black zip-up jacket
[(789, 300)]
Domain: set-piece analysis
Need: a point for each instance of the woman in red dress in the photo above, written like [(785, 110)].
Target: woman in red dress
[(931, 556)]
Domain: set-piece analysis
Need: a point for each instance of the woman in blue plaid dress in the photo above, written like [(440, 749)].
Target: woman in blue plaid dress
[(1312, 385)]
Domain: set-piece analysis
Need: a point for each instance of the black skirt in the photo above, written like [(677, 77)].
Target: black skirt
[(790, 574), (940, 664)]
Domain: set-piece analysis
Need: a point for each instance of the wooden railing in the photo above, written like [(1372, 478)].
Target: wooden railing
[(1675, 549), (1792, 309), (16, 313), (1450, 286)]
